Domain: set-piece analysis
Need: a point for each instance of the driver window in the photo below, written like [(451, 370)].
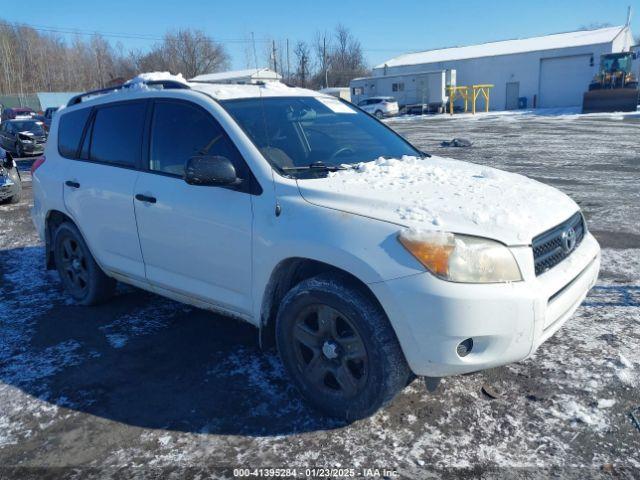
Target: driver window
[(180, 131)]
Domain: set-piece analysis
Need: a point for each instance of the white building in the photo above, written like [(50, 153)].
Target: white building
[(252, 75), (550, 71)]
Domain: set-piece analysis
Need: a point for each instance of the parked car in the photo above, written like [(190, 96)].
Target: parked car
[(23, 137), (380, 106), (366, 260), (20, 112), (48, 116), (10, 181)]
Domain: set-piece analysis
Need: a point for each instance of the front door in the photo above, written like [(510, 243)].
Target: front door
[(513, 92), (196, 240), (98, 189)]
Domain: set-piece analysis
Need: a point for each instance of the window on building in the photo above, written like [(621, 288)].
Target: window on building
[(357, 91), (398, 87)]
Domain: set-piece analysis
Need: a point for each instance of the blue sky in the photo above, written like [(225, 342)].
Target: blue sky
[(385, 28)]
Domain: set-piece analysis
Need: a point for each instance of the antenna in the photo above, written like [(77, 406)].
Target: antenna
[(629, 12)]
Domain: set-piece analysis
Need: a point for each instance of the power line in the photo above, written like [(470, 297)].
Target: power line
[(76, 31), (140, 36)]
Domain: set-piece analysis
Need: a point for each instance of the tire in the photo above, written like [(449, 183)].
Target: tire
[(80, 274), (19, 150), (379, 114), (338, 348), (15, 198)]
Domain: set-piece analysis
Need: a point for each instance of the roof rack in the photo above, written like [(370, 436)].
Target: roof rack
[(160, 84)]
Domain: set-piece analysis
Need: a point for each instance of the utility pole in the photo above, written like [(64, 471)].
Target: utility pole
[(275, 61), (288, 71), (324, 60)]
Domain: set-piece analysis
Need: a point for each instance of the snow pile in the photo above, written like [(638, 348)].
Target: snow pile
[(446, 193), (139, 81), (625, 371), (569, 410)]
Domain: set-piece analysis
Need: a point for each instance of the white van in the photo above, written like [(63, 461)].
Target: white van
[(368, 260)]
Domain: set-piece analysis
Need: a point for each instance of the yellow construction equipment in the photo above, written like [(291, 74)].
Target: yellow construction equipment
[(462, 91), (615, 87), (485, 90), (455, 92)]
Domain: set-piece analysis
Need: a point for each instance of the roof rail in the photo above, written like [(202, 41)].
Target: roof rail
[(160, 84)]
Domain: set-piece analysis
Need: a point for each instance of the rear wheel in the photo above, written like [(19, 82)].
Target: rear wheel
[(339, 348), (79, 272)]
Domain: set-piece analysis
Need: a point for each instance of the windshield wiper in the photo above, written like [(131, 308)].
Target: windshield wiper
[(319, 166)]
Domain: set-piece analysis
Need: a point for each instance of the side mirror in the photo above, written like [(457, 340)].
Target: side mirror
[(211, 170)]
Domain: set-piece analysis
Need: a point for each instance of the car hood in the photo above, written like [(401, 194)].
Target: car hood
[(446, 195)]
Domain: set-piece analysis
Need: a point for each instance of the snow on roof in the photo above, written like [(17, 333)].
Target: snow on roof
[(507, 47), (155, 76), (233, 91), (252, 73), (220, 91)]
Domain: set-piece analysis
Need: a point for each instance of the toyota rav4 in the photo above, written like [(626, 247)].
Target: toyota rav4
[(366, 260)]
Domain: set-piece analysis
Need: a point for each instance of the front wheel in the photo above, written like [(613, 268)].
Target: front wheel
[(81, 276), (379, 114), (339, 349)]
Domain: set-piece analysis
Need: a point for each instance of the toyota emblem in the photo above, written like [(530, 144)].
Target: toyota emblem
[(568, 240)]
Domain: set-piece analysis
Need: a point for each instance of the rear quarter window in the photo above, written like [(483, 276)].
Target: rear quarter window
[(70, 127)]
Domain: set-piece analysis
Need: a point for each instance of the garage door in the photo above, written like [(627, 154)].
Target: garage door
[(563, 80)]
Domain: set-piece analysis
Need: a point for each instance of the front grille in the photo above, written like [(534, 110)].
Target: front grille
[(552, 246)]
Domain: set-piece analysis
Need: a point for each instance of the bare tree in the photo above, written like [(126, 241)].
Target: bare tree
[(32, 61), (302, 54), (190, 52)]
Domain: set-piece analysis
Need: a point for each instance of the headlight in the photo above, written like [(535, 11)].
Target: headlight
[(25, 140), (462, 258)]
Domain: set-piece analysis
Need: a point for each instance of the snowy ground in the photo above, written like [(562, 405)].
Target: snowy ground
[(145, 383)]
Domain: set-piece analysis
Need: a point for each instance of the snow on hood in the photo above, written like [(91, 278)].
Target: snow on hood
[(443, 194)]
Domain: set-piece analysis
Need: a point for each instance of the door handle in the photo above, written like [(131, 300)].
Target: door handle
[(72, 184), (145, 198)]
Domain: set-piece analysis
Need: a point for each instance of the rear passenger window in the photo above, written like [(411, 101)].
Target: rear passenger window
[(70, 130), (180, 131), (117, 133)]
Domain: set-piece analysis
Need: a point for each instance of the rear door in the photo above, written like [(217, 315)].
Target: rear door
[(196, 240), (99, 185)]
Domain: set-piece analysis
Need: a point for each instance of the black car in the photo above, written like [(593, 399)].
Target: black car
[(23, 137), (10, 181)]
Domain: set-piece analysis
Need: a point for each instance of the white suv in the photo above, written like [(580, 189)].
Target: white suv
[(367, 260), (380, 106)]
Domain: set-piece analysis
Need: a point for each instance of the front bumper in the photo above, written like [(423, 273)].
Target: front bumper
[(507, 322), (8, 188), (33, 148)]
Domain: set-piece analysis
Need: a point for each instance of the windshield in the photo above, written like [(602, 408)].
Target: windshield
[(300, 131), (615, 64), (29, 126)]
